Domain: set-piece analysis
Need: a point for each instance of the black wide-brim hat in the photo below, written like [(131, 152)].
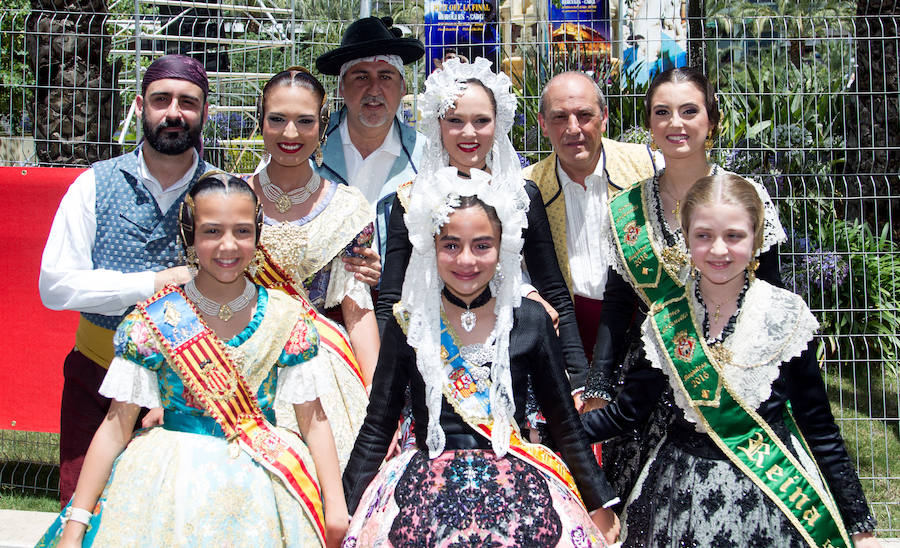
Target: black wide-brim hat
[(367, 37)]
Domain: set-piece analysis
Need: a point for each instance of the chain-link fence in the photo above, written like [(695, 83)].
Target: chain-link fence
[(808, 92)]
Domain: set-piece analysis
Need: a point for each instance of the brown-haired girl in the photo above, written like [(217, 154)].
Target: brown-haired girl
[(216, 354)]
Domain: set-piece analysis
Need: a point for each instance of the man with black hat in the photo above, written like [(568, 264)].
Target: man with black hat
[(368, 147), (113, 241)]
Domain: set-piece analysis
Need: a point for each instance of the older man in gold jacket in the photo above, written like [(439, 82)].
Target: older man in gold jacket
[(576, 180)]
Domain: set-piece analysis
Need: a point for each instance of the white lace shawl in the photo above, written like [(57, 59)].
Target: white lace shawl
[(773, 326), (431, 202)]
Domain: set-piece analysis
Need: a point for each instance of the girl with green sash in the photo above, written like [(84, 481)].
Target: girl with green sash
[(753, 456), (466, 344), (216, 354)]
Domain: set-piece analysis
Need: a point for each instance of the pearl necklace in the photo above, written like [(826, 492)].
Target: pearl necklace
[(223, 311), (285, 200)]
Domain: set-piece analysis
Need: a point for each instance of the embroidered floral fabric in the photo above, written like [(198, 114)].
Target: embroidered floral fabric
[(467, 498)]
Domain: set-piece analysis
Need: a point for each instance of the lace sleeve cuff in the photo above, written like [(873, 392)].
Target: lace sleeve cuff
[(344, 284), (128, 382), (304, 382)]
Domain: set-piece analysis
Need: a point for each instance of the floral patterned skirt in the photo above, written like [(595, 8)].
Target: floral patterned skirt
[(468, 498), (179, 489)]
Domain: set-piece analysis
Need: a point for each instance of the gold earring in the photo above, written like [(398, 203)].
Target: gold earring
[(253, 267), (751, 269), (319, 157), (193, 263), (653, 145), (708, 145), (695, 272)]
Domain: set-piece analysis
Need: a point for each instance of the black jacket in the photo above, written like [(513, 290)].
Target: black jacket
[(534, 351)]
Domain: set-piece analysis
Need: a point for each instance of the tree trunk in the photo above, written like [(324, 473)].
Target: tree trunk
[(76, 109), (873, 159), (696, 12)]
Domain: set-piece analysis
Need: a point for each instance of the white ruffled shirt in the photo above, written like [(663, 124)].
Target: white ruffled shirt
[(68, 279), (129, 382), (586, 230)]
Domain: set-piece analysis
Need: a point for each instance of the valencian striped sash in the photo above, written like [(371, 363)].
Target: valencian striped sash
[(206, 369), (272, 276)]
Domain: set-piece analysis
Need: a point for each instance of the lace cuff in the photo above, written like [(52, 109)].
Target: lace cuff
[(128, 382), (344, 284), (304, 382)]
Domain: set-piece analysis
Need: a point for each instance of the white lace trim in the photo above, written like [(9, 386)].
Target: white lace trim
[(774, 326), (129, 382), (305, 381), (344, 284), (422, 300)]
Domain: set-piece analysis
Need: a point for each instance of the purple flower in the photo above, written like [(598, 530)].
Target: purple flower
[(519, 119), (523, 161), (827, 269)]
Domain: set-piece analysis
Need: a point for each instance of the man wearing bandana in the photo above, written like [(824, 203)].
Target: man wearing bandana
[(368, 147), (114, 241)]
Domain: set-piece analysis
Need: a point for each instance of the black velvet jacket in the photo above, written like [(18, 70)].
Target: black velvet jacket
[(620, 321), (799, 382), (534, 351), (540, 258)]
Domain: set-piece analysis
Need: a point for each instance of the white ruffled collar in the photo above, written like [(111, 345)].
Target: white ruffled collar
[(773, 327)]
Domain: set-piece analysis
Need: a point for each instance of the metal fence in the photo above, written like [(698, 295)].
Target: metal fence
[(809, 94)]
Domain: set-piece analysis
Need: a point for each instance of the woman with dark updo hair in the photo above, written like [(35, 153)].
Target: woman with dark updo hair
[(682, 113)]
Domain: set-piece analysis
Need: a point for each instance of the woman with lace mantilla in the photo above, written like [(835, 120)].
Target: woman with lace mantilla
[(464, 342), (682, 113), (310, 226), (467, 112), (737, 466), (215, 354)]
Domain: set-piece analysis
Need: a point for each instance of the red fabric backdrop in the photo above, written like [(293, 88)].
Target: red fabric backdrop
[(34, 340)]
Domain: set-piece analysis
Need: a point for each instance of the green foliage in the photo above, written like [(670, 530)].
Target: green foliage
[(15, 75)]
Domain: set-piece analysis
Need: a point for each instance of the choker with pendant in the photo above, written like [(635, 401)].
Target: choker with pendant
[(467, 318)]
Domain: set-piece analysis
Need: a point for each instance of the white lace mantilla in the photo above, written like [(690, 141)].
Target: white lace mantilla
[(774, 326), (773, 231)]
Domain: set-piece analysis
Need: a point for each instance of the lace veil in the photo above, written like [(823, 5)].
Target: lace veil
[(430, 208)]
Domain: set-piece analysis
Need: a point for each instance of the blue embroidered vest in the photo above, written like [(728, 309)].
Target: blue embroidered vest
[(132, 235)]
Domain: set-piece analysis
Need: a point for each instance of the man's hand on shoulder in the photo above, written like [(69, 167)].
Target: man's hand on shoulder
[(177, 275)]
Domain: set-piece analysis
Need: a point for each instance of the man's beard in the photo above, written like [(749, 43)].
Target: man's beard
[(169, 143)]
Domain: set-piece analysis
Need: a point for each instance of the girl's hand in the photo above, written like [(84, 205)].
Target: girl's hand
[(336, 523), (866, 540), (608, 522)]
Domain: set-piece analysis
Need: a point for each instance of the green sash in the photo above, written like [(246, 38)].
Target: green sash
[(745, 438)]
